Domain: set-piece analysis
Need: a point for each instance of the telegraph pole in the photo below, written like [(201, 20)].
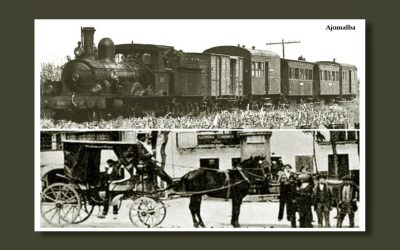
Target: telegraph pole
[(283, 45)]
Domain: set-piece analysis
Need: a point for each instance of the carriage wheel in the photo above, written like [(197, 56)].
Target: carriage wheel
[(147, 212), (85, 211), (60, 205)]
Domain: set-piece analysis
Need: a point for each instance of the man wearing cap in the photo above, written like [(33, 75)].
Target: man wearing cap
[(115, 173), (285, 195), (322, 199), (347, 202)]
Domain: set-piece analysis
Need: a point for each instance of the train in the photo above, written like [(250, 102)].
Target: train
[(134, 79)]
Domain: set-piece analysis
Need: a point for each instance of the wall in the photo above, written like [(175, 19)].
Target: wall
[(179, 161)]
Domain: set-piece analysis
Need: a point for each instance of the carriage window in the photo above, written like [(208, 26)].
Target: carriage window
[(333, 75), (296, 73), (291, 73), (212, 163), (257, 69)]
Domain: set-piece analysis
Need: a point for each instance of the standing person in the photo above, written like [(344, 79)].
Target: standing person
[(323, 199), (115, 173), (348, 195), (283, 180), (291, 200), (304, 200), (148, 162)]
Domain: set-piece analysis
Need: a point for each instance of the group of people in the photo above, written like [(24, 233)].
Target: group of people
[(300, 193), (116, 173)]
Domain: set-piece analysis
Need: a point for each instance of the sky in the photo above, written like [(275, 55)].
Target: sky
[(55, 39)]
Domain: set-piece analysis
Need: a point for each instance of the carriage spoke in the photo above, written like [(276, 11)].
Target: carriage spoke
[(69, 210), (48, 197), (59, 217), (52, 217), (51, 209)]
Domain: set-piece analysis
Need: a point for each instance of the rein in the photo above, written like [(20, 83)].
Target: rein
[(188, 194)]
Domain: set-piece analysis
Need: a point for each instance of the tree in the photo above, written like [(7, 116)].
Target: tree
[(333, 140), (317, 136), (165, 135)]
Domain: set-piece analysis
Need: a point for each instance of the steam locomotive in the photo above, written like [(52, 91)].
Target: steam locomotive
[(133, 79)]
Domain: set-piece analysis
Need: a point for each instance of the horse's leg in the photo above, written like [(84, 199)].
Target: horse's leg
[(198, 202), (236, 203), (193, 209)]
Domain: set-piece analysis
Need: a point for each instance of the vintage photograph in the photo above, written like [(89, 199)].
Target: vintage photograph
[(200, 74), (196, 180), (200, 125)]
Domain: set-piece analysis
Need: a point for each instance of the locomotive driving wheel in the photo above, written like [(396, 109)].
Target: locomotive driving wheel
[(147, 212), (60, 204)]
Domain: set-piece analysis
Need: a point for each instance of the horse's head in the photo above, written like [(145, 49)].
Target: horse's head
[(255, 166), (254, 162)]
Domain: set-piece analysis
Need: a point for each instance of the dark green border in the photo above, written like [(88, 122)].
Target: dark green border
[(17, 99)]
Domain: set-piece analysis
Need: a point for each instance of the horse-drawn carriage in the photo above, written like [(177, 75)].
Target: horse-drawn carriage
[(73, 201)]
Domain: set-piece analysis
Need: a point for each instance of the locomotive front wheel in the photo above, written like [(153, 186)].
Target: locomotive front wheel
[(147, 212), (60, 204)]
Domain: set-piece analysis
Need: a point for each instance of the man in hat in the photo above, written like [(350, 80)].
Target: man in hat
[(115, 173), (347, 202), (323, 199), (304, 200), (148, 162), (285, 195)]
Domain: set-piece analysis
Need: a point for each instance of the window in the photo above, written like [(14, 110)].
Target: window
[(45, 142), (296, 73), (351, 135), (209, 163), (344, 135), (258, 69)]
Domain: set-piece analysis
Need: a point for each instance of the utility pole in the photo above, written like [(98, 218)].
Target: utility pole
[(283, 45)]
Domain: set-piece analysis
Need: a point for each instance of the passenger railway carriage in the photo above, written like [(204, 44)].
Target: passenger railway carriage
[(135, 79), (297, 79)]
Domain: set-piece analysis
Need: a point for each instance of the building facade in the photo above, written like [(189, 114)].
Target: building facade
[(221, 150)]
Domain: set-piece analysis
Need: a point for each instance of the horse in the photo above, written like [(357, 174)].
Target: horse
[(230, 184)]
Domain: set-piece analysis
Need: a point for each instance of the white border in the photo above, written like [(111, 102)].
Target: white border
[(37, 182)]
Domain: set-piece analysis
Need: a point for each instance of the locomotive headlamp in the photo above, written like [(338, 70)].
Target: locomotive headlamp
[(78, 52)]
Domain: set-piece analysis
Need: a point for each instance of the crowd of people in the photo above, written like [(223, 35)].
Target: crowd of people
[(300, 193)]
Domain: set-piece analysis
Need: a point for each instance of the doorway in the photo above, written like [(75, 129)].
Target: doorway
[(343, 166)]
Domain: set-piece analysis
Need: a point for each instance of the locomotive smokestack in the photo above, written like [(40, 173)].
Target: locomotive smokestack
[(88, 38)]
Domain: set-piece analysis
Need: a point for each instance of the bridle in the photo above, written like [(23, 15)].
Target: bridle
[(245, 172)]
